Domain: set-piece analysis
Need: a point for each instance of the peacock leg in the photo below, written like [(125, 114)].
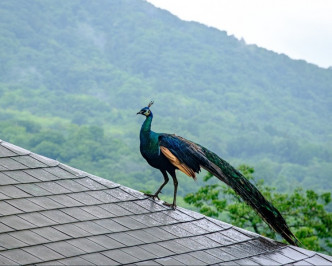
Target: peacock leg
[(175, 182), (155, 195)]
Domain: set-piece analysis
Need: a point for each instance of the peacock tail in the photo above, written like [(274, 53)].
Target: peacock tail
[(249, 193), (193, 156)]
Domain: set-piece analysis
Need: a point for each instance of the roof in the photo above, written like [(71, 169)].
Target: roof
[(51, 213)]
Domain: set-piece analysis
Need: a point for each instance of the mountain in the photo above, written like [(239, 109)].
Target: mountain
[(88, 66)]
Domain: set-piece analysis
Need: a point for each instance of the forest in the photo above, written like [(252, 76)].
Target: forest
[(73, 74)]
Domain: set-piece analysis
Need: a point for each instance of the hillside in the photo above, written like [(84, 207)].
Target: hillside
[(88, 66)]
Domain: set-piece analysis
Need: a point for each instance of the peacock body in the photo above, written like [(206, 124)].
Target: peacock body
[(168, 152)]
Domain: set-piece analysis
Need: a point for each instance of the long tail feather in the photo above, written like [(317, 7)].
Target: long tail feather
[(249, 193), (190, 155)]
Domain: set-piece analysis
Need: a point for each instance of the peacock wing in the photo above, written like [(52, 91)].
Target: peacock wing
[(182, 153)]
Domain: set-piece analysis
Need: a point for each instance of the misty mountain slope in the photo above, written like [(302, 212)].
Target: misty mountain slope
[(97, 62)]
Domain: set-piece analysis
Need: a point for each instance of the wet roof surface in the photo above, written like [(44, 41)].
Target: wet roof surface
[(53, 214)]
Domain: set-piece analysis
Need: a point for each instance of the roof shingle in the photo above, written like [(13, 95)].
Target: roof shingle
[(51, 213)]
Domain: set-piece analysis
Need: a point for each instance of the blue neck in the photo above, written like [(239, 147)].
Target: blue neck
[(146, 127)]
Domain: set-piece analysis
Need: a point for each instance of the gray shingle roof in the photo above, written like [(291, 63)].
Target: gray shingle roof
[(53, 214)]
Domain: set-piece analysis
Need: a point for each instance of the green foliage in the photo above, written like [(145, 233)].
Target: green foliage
[(304, 210)]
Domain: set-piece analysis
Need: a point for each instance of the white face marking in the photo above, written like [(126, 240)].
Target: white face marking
[(147, 112)]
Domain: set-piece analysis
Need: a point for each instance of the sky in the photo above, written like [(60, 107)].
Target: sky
[(301, 29)]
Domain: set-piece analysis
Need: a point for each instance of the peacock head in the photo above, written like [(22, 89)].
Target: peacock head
[(146, 110)]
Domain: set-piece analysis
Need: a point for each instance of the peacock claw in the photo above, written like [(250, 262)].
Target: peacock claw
[(153, 196), (173, 206)]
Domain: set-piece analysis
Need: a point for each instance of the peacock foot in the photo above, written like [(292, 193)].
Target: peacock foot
[(172, 205), (153, 196)]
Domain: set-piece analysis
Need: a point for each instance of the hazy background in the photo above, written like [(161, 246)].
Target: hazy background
[(73, 75), (302, 29)]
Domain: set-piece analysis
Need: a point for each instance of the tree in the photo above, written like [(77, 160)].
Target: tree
[(304, 210)]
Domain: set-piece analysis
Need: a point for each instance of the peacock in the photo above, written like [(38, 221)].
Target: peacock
[(169, 152)]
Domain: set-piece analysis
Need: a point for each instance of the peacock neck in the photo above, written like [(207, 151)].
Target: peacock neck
[(146, 127)]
